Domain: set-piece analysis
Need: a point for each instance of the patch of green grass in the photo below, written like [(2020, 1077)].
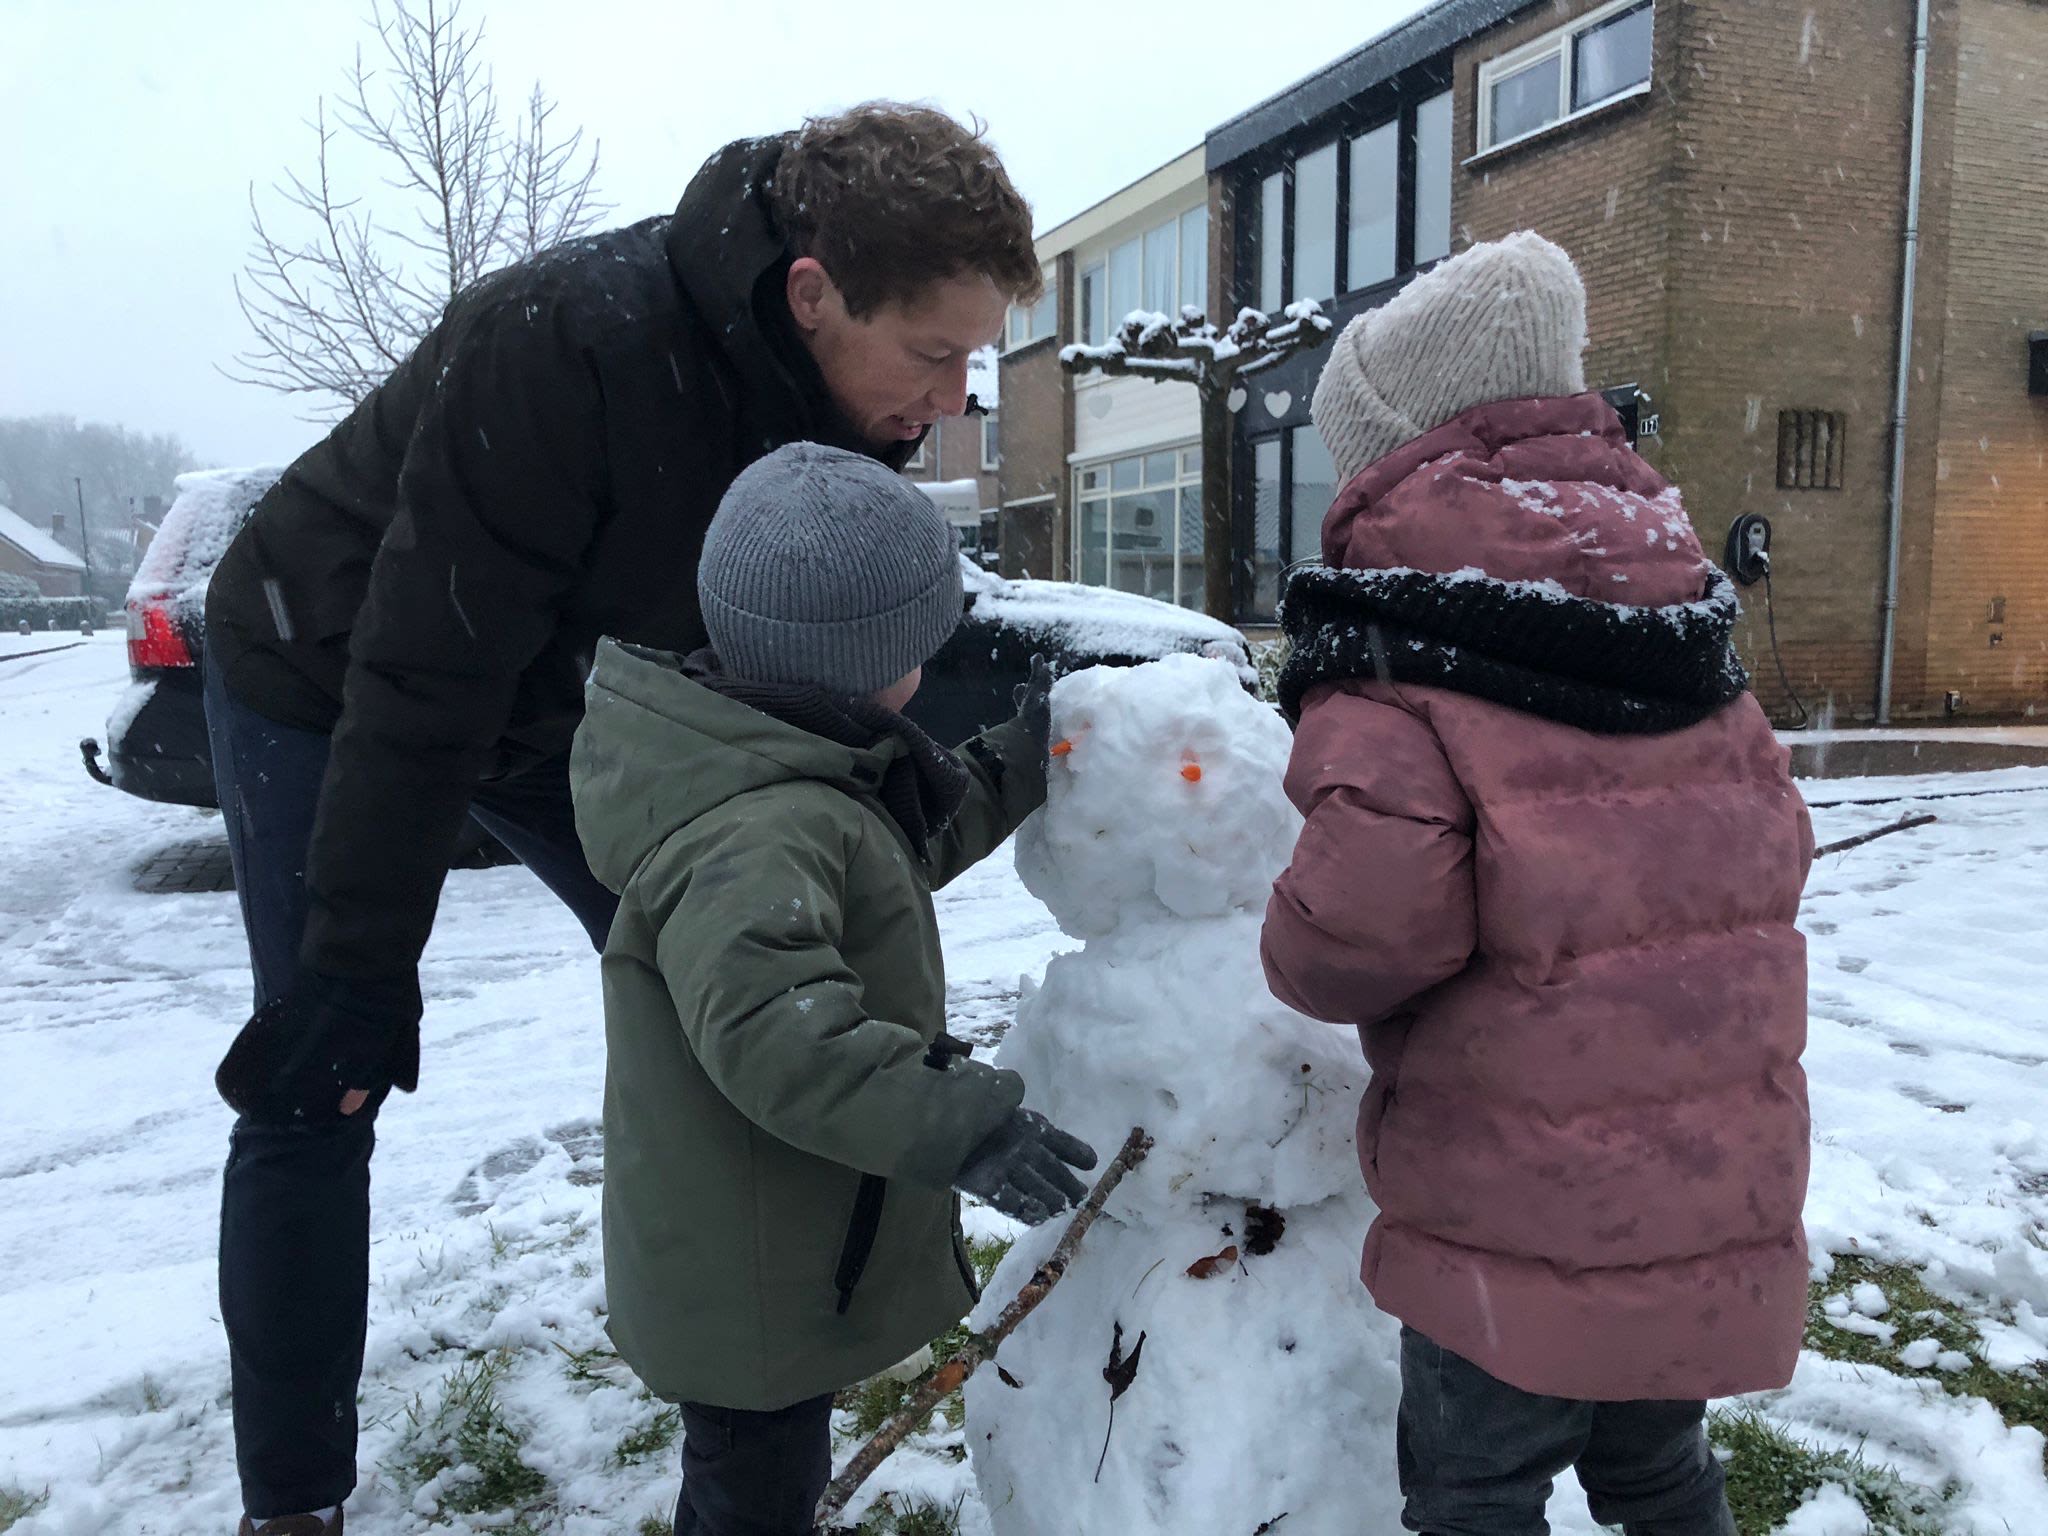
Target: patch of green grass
[(592, 1366), (656, 1525), (922, 1517), (652, 1438), (875, 1400), (469, 1429), (2021, 1397), (19, 1504), (1770, 1474)]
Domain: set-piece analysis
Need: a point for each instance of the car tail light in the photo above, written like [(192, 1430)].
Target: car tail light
[(153, 638)]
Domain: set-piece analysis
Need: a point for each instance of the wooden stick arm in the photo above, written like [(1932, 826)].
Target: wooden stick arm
[(982, 1346)]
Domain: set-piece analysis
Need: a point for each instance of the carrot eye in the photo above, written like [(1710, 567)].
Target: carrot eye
[(1191, 771), (1062, 748)]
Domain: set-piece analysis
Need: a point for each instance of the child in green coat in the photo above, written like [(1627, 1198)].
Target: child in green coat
[(785, 1122)]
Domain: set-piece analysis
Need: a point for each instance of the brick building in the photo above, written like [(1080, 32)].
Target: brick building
[(1732, 177)]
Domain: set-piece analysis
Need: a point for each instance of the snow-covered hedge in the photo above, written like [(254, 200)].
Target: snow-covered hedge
[(51, 612)]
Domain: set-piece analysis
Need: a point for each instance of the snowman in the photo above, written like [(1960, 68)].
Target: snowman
[(1265, 1388)]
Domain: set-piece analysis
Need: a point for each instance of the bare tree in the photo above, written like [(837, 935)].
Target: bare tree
[(1192, 351), (336, 309)]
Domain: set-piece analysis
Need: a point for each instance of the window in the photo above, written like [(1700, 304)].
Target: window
[(1333, 222), (1272, 241), (1037, 321), (1432, 180), (1140, 525), (1810, 450), (1159, 271), (917, 459), (1603, 56), (1094, 317), (1293, 483), (1194, 259), (1315, 225), (1370, 256), (991, 444)]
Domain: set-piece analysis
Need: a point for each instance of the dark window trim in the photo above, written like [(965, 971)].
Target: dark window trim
[(1397, 102)]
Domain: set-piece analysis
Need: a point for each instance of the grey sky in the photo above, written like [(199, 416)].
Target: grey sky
[(135, 127)]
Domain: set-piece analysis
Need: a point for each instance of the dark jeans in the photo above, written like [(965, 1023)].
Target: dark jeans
[(754, 1474), (295, 1200), (1477, 1456)]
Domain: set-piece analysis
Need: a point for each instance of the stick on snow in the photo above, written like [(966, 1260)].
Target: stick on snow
[(1857, 842), (981, 1347)]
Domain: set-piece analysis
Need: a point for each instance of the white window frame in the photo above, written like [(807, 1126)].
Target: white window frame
[(1097, 266), (1561, 44), (989, 461), (916, 460), (1048, 304), (1183, 479)]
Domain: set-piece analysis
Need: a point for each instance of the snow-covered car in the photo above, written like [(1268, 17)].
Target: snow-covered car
[(156, 736)]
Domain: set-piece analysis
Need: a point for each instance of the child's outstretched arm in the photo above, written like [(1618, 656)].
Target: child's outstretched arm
[(748, 941), (1377, 904), (1006, 770)]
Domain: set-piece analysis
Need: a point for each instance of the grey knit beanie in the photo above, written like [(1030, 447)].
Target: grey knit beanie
[(1501, 321), (827, 567)]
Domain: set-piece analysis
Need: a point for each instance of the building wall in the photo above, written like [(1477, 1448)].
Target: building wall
[(1787, 221), (1983, 632), (1037, 411), (1126, 415), (52, 582), (1600, 188)]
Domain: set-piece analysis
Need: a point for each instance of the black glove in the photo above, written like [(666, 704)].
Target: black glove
[(1034, 704), (1021, 1168), (302, 1052)]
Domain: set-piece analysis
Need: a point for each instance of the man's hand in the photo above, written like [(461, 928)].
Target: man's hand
[(1033, 699), (1023, 1168), (323, 1051)]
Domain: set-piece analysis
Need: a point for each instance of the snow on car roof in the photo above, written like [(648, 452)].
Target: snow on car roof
[(1097, 618), (209, 509)]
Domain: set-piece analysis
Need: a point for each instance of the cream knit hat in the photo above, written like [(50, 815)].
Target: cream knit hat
[(1501, 321)]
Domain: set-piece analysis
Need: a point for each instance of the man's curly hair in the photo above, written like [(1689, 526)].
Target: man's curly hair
[(891, 198)]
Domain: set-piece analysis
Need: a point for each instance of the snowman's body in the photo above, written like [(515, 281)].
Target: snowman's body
[(1268, 1388)]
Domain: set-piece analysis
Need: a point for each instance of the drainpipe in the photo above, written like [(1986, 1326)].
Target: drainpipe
[(1895, 509)]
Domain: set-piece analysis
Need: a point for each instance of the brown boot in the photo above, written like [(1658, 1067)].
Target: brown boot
[(293, 1525)]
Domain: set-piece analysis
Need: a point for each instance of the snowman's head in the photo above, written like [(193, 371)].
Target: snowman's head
[(1164, 798)]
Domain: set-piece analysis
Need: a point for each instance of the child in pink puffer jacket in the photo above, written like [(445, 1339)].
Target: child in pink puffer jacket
[(1551, 866)]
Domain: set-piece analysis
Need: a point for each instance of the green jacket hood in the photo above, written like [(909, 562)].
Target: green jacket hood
[(657, 750)]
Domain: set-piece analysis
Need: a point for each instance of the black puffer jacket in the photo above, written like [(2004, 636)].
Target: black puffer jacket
[(429, 582)]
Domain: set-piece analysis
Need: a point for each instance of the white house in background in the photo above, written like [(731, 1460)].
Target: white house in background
[(1107, 490), (25, 550)]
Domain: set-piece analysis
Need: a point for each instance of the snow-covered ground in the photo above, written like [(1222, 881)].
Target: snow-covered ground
[(1929, 1064)]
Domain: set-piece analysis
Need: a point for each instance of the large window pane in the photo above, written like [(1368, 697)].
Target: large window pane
[(1159, 467), (1141, 544), (1095, 305), (1265, 527), (1315, 224), (1095, 543), (1194, 259), (1123, 474), (1612, 57), (1375, 178), (1272, 232), (1312, 486), (1162, 269), (1191, 576), (1527, 99), (1125, 294), (1433, 179)]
